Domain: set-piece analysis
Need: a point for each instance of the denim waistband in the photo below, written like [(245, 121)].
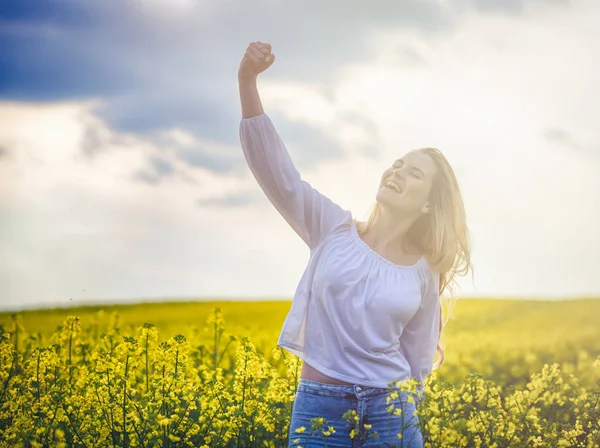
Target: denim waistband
[(345, 391)]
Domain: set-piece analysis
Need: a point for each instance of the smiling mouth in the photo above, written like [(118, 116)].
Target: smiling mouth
[(391, 185)]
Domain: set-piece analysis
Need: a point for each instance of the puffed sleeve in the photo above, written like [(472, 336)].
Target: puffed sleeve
[(419, 338), (311, 214)]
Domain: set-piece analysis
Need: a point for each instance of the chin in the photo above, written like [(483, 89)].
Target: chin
[(387, 202), (380, 197)]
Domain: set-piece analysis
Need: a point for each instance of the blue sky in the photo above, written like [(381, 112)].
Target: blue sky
[(122, 176)]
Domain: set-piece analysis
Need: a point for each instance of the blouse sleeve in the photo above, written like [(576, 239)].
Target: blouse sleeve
[(311, 214), (419, 339)]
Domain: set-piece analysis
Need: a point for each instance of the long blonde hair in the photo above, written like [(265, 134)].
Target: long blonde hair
[(441, 235)]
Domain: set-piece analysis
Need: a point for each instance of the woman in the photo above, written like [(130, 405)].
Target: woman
[(367, 312)]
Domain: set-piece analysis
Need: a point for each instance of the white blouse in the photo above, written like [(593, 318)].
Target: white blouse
[(355, 316)]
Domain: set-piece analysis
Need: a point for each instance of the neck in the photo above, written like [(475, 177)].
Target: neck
[(389, 233)]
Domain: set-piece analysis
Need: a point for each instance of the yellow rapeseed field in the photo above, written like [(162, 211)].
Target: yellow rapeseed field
[(517, 373)]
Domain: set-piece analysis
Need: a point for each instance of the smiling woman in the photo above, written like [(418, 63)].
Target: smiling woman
[(419, 210), (366, 315)]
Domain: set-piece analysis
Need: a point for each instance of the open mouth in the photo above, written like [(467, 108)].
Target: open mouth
[(391, 185)]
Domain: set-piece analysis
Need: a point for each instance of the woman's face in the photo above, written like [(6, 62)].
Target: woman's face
[(413, 174)]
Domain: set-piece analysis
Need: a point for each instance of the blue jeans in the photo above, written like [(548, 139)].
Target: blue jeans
[(331, 401)]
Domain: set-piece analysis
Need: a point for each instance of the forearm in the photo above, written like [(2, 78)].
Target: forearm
[(249, 97)]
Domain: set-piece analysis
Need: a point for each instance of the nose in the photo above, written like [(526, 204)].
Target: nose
[(398, 172)]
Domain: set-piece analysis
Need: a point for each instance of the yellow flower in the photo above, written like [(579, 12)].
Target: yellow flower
[(276, 354), (367, 426), (301, 429), (59, 433), (164, 422), (352, 433)]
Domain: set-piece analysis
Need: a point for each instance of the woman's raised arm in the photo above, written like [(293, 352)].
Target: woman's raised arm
[(258, 58), (311, 214)]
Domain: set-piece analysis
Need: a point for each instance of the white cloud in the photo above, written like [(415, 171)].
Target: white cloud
[(83, 230)]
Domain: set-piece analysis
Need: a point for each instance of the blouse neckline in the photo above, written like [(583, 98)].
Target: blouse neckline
[(380, 257)]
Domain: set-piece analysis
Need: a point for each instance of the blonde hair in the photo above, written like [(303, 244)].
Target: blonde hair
[(442, 235)]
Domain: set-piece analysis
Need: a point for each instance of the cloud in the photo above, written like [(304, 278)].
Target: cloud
[(158, 66), (234, 200), (93, 141), (409, 56), (159, 169), (308, 145), (201, 152), (68, 52), (513, 7), (564, 138), (371, 146)]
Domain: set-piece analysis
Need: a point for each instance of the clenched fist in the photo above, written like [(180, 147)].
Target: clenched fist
[(257, 59)]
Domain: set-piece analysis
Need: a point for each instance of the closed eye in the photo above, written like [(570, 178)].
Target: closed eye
[(414, 170)]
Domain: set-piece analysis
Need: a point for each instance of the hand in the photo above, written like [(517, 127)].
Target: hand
[(257, 59)]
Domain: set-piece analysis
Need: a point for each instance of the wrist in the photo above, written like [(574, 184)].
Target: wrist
[(247, 79)]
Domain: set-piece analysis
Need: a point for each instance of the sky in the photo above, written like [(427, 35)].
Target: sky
[(122, 177)]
